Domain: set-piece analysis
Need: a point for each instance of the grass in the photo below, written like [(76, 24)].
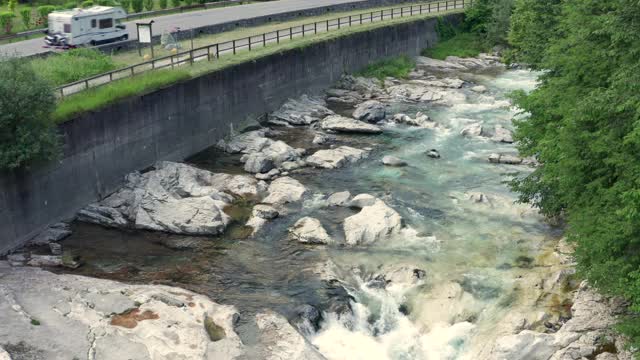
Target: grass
[(461, 45), (98, 97), (72, 65), (398, 68)]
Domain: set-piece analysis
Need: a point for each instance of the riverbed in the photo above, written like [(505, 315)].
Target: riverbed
[(469, 247)]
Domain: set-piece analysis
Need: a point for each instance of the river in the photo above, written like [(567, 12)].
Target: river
[(470, 246)]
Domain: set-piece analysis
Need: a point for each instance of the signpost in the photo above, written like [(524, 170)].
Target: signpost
[(145, 35)]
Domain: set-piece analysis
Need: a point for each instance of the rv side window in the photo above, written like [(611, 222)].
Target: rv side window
[(106, 23), (93, 23), (67, 28)]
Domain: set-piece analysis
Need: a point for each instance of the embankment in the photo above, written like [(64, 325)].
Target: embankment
[(100, 147)]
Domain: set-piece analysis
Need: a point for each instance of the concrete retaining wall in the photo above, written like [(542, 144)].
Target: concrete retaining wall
[(181, 120)]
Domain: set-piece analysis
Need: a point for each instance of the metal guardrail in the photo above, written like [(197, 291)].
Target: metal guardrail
[(214, 51), (133, 16)]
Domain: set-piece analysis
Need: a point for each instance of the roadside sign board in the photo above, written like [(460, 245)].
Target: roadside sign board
[(144, 33)]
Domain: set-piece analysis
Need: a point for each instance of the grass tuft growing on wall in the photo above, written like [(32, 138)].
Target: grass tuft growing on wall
[(461, 45), (398, 68), (104, 95)]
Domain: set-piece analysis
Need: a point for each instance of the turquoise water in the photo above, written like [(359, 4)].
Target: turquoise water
[(469, 251)]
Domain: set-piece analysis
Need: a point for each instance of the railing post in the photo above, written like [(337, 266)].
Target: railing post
[(131, 70), (315, 27), (110, 77), (172, 61), (209, 53), (249, 42), (401, 11), (277, 36), (392, 11), (429, 8), (371, 17), (217, 51), (360, 18), (191, 56), (302, 30), (62, 92), (327, 25), (264, 39), (420, 8), (349, 20), (339, 23), (234, 47), (86, 84), (291, 33)]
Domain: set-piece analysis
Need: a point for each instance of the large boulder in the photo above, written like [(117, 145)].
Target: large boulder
[(366, 88), (373, 223), (336, 158), (371, 111), (343, 124), (302, 111), (472, 130), (173, 197), (433, 65), (502, 135), (421, 120), (390, 160), (51, 316), (278, 340), (310, 231), (261, 154), (284, 190)]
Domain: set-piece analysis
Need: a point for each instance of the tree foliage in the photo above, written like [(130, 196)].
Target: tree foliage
[(26, 131), (584, 127)]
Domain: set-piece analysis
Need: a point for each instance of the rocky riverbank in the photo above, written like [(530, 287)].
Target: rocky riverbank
[(542, 312)]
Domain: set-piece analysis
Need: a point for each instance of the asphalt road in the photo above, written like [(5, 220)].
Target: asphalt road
[(190, 20)]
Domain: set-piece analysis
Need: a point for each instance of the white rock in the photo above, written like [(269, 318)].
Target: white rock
[(472, 130), (371, 111), (4, 355), (479, 88), (278, 340), (339, 199), (505, 159), (343, 124), (373, 223), (284, 190), (258, 163), (336, 158), (527, 344), (502, 135), (421, 120), (430, 65), (302, 111), (393, 161), (361, 200), (309, 230), (264, 211)]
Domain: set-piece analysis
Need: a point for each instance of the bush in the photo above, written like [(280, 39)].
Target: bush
[(202, 2), (43, 13), (462, 45), (148, 5), (126, 5), (27, 133), (73, 65), (25, 15), (188, 2), (175, 3), (6, 21), (398, 67), (137, 5), (12, 5), (87, 4), (107, 3), (70, 5), (162, 4)]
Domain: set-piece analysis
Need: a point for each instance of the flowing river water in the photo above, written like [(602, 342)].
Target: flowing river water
[(471, 252)]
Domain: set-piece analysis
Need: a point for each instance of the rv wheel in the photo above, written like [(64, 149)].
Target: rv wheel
[(92, 43)]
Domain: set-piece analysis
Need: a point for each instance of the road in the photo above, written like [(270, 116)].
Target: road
[(190, 20)]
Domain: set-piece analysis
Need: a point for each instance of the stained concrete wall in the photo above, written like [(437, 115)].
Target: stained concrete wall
[(100, 147)]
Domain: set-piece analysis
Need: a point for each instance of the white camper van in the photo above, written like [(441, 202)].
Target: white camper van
[(93, 26)]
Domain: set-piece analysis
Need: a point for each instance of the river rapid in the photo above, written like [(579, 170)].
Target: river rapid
[(473, 255)]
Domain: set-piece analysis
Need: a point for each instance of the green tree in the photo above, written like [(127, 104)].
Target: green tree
[(534, 25), (126, 5), (6, 21), (43, 13), (188, 2), (162, 4), (12, 5), (27, 134), (584, 128), (25, 15), (137, 5), (175, 3), (148, 5)]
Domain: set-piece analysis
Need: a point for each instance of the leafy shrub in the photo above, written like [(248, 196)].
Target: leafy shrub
[(175, 3), (70, 5), (462, 45), (126, 5), (444, 29), (137, 5), (107, 3), (6, 20), (188, 2), (43, 13), (25, 16), (148, 5), (162, 4), (73, 65), (12, 5), (27, 133), (87, 4)]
